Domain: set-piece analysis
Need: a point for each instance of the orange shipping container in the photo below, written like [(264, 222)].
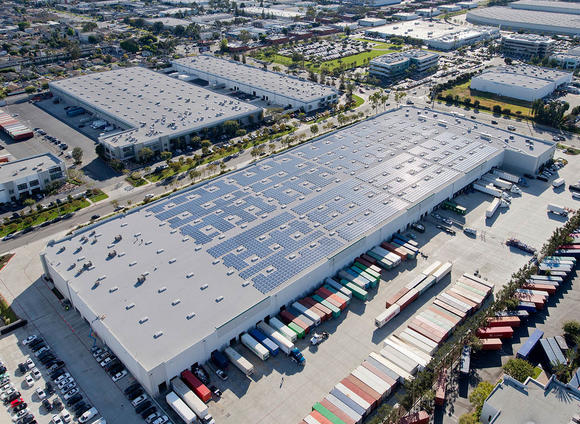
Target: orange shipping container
[(503, 322)]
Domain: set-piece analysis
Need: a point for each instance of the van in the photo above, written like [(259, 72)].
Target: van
[(87, 415)]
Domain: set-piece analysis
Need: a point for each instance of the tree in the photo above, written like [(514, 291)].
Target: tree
[(129, 45), (100, 151), (476, 104), (479, 395), (89, 26), (29, 202), (157, 27), (572, 331), (179, 30), (230, 127), (245, 36), (468, 419), (23, 25), (314, 129), (520, 369), (224, 45), (146, 154), (30, 89), (165, 155), (508, 61), (496, 109), (77, 154)]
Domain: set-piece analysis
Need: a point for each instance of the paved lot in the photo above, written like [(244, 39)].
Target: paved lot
[(281, 392)]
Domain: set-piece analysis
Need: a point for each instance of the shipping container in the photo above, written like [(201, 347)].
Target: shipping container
[(395, 298), (411, 254), (377, 370), (381, 260), (311, 302), (458, 298), (467, 294), (369, 265), (432, 268), (321, 409), (283, 343), (312, 315), (408, 298), (347, 396), (441, 387), (357, 292), (411, 351), (399, 252), (495, 332), (239, 361), (533, 292), (180, 408), (484, 288), (309, 419), (338, 293), (422, 338), (487, 188), (450, 309), (454, 302), (359, 392), (347, 419), (538, 301), (491, 344), (526, 349), (351, 379), (264, 341), (387, 315), (365, 272), (363, 283), (548, 288), (292, 322), (333, 283), (415, 281), (344, 408), (366, 279), (503, 322), (506, 176), (526, 306), (331, 297), (445, 314), (426, 284), (197, 386), (300, 316), (479, 280), (557, 351), (421, 417), (399, 359), (255, 347), (436, 321), (369, 270), (551, 358), (427, 331), (335, 309), (192, 401), (561, 343), (379, 381), (374, 384), (419, 344), (375, 360), (403, 375), (321, 316), (279, 326), (465, 360)]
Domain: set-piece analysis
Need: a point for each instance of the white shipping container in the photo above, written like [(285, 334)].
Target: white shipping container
[(394, 258), (239, 361), (418, 356), (380, 388), (180, 408), (372, 377), (309, 419), (415, 281), (445, 269), (344, 408), (313, 316), (283, 329), (493, 206), (506, 176), (453, 301), (400, 359), (376, 360), (385, 316), (352, 395), (255, 347), (421, 337), (424, 286), (283, 343), (479, 280), (417, 343), (403, 375), (432, 268), (340, 395)]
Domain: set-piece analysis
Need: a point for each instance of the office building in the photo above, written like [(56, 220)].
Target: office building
[(274, 87), (569, 59), (165, 284), (522, 82), (395, 65), (149, 109), (461, 38), (526, 46)]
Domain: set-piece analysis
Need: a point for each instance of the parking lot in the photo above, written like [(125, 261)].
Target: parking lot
[(279, 391)]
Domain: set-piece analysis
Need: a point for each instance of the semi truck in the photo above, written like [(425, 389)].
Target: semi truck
[(492, 208), (255, 347), (487, 189), (558, 182), (180, 408), (557, 209), (196, 385), (506, 176), (192, 401), (239, 361)]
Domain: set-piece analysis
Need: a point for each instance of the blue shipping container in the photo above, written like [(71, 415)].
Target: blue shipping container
[(529, 345)]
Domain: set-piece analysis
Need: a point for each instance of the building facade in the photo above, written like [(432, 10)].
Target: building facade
[(526, 46), (463, 38), (27, 177), (569, 59), (395, 65)]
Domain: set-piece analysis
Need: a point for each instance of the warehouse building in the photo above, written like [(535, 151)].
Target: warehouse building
[(526, 46), (569, 59), (395, 65), (462, 38), (523, 82), (150, 109), (27, 177), (526, 20), (275, 88), (547, 6), (165, 284)]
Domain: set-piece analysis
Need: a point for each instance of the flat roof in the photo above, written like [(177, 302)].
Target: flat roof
[(400, 57), (168, 21), (536, 38), (522, 75), (512, 402), (26, 167), (269, 81), (425, 29), (151, 104), (211, 252), (515, 18), (559, 6)]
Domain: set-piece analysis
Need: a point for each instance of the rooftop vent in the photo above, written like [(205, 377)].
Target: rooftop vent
[(219, 299), (113, 289), (176, 302), (158, 334), (190, 315), (204, 286), (129, 306), (161, 289), (141, 279), (143, 320)]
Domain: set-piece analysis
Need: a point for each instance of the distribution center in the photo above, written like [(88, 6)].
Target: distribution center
[(165, 284)]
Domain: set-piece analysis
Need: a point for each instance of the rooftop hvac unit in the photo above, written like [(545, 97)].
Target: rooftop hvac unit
[(87, 265), (112, 254), (141, 278)]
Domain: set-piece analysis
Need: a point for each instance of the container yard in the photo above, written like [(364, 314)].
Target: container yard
[(13, 128)]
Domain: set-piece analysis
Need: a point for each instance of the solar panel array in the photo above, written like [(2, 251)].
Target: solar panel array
[(275, 219)]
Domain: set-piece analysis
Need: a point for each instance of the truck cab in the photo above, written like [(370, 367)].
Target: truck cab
[(297, 357)]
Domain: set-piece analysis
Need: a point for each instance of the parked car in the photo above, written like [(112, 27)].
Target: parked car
[(29, 380), (143, 406), (36, 373), (63, 382), (87, 415), (138, 400), (132, 387), (160, 420), (148, 412), (19, 415), (40, 393), (57, 404), (29, 339), (71, 393), (119, 375), (56, 419), (66, 416), (69, 387), (57, 373), (135, 393), (62, 377), (74, 399), (47, 405), (22, 368)]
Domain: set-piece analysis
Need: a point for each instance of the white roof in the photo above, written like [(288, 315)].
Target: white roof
[(152, 104), (273, 82), (27, 167), (523, 75), (212, 252)]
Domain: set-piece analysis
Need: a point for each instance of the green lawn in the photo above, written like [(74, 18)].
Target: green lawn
[(4, 259), (380, 44), (98, 197), (489, 100), (136, 183), (6, 311), (357, 101), (537, 372)]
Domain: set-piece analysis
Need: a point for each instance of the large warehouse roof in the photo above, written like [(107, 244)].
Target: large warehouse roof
[(274, 82), (547, 6), (150, 104), (523, 75), (557, 23), (188, 264)]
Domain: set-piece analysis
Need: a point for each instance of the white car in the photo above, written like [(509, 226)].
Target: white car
[(56, 419), (62, 377), (119, 375), (69, 387), (106, 361), (29, 380), (87, 415), (44, 349), (30, 363), (138, 400), (62, 383), (36, 373), (71, 393), (151, 417), (66, 416), (40, 393), (160, 420), (29, 339), (19, 414)]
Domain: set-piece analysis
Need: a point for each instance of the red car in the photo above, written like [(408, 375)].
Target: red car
[(16, 402)]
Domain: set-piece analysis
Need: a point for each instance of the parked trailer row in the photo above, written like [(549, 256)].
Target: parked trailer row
[(506, 176), (239, 361), (180, 408), (487, 189), (192, 401)]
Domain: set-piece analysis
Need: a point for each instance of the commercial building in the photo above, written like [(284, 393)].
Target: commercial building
[(569, 59), (512, 402), (405, 16), (165, 284), (273, 87), (449, 8), (150, 109), (371, 22), (371, 3), (547, 6), (462, 38), (526, 20), (523, 82), (395, 65), (24, 178), (526, 46), (168, 22), (467, 4)]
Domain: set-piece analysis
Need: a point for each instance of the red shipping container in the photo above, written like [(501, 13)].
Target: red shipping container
[(495, 332), (364, 387), (443, 314), (197, 386), (327, 312), (359, 391), (370, 259), (570, 246), (475, 285), (468, 302), (331, 297), (320, 418), (337, 411), (395, 250), (313, 309), (491, 344), (503, 322), (548, 288), (287, 317), (460, 314), (363, 262), (441, 387), (386, 378), (477, 299), (420, 417), (538, 301), (408, 298), (395, 298), (430, 333)]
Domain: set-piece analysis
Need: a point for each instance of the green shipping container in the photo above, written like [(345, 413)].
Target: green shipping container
[(380, 259), (327, 414), (369, 271), (334, 309), (356, 290), (374, 280), (338, 293), (471, 289), (297, 329)]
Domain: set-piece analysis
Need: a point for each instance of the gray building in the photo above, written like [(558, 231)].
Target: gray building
[(526, 46), (165, 284), (569, 59), (149, 109), (512, 402), (395, 65), (276, 88), (547, 6), (24, 178)]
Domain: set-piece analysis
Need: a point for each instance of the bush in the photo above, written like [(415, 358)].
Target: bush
[(479, 395), (519, 369), (496, 109)]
